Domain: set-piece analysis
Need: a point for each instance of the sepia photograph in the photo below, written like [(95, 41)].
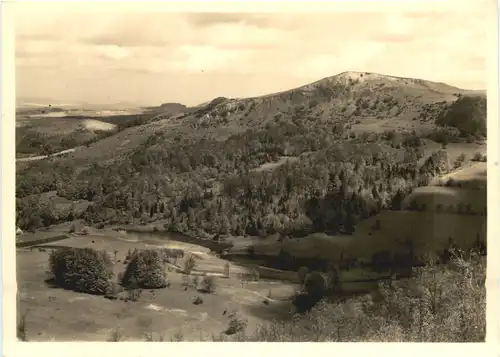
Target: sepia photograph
[(251, 176)]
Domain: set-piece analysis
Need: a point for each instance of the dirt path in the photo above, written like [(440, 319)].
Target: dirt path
[(41, 157)]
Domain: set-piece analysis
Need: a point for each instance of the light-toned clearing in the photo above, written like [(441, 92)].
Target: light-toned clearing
[(476, 172), (92, 124), (156, 307), (49, 115), (272, 165)]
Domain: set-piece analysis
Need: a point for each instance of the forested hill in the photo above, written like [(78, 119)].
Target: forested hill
[(317, 158)]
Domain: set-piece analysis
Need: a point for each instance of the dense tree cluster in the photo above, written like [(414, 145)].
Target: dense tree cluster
[(467, 114), (146, 269), (203, 187), (84, 270)]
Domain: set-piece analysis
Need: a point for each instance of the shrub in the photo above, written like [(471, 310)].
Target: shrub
[(255, 275), (477, 157), (83, 270), (178, 337), (208, 284), (22, 332), (459, 161), (113, 291), (134, 295), (305, 302), (250, 250), (116, 335), (314, 284), (145, 270), (172, 253), (189, 264), (302, 273), (185, 282), (196, 281), (236, 325), (450, 182)]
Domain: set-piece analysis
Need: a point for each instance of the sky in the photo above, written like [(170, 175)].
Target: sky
[(67, 54)]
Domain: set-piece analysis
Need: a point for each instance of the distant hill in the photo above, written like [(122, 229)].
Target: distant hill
[(366, 101), (47, 102)]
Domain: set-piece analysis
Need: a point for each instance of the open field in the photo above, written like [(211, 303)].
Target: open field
[(166, 312), (454, 150), (441, 199), (429, 231), (472, 176)]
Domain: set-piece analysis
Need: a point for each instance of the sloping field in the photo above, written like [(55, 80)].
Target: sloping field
[(454, 150), (56, 314), (429, 232), (438, 198), (473, 175)]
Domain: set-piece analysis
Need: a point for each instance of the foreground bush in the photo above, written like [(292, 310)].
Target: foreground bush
[(83, 270), (444, 303), (145, 270), (208, 284)]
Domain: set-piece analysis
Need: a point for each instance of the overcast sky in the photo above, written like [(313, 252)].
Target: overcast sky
[(152, 58)]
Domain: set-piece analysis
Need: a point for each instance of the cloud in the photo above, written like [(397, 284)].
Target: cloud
[(238, 54), (212, 19), (113, 52)]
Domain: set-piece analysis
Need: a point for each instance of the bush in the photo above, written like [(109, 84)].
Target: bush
[(236, 325), (145, 270), (302, 273), (172, 253), (134, 295), (208, 284), (189, 264), (477, 157), (116, 335), (22, 333), (113, 290), (255, 275), (441, 303), (84, 270), (196, 281), (459, 161), (314, 284)]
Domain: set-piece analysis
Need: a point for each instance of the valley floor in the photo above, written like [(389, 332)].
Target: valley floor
[(60, 315)]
